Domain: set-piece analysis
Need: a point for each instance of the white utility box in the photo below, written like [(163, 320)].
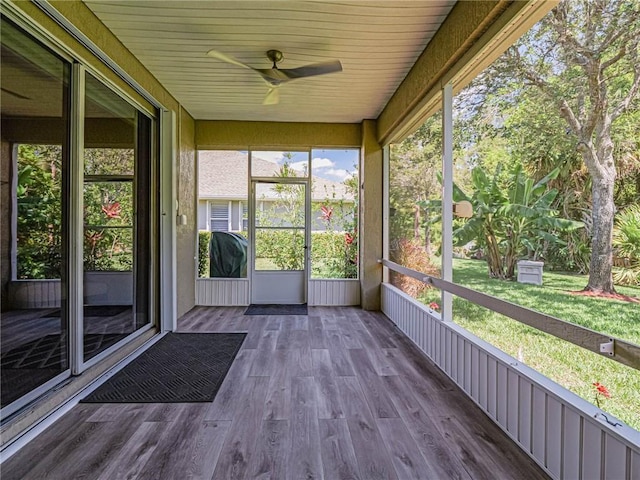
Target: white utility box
[(530, 272)]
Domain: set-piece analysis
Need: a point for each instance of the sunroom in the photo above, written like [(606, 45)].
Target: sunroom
[(141, 140)]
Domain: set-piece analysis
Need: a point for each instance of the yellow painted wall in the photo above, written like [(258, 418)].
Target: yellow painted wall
[(186, 234), (371, 201), (211, 134)]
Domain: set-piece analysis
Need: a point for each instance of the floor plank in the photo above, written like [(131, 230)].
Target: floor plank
[(240, 441), (329, 403), (210, 439), (173, 452), (405, 454), (373, 458), (263, 357), (316, 332), (134, 455), (277, 405), (441, 460), (225, 402), (338, 353), (272, 446), (338, 457), (376, 395), (304, 460)]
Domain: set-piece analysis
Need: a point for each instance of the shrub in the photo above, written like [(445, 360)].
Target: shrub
[(334, 255), (626, 241), (413, 255), (204, 260)]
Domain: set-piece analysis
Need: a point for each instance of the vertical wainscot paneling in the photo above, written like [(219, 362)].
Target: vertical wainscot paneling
[(334, 292), (222, 292), (539, 424), (554, 426), (525, 416), (571, 444), (554, 436), (468, 350), (482, 396), (513, 399), (492, 387), (615, 463), (502, 397), (635, 465), (35, 294), (592, 450)]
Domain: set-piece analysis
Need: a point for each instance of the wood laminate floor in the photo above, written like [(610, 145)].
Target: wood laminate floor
[(337, 394)]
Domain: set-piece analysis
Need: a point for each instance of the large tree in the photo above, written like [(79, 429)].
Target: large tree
[(584, 58)]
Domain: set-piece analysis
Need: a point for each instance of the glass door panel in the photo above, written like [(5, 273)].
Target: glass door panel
[(116, 218), (279, 267), (35, 176)]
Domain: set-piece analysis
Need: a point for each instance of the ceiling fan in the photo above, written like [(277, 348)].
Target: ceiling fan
[(274, 76)]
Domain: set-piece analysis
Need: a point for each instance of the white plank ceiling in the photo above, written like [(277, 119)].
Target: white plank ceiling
[(377, 43)]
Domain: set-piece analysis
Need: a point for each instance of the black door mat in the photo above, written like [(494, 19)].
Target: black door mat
[(274, 309), (179, 368), (95, 311)]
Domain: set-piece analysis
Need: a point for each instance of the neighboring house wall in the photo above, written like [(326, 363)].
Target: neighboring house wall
[(340, 220), (228, 215), (203, 215), (205, 209)]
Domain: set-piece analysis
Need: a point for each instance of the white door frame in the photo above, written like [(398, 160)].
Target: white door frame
[(273, 284)]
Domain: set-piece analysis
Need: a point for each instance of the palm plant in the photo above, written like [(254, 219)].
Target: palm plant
[(512, 218), (626, 241)]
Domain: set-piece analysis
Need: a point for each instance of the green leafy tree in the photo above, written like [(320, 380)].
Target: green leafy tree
[(108, 211), (39, 219), (414, 166), (583, 58)]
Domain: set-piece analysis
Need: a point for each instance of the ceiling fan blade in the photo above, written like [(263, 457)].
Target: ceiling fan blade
[(227, 58), (273, 76), (273, 96), (313, 70)]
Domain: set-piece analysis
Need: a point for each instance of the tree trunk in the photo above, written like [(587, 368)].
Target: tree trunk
[(427, 233), (416, 222), (427, 240), (603, 210), (494, 262)]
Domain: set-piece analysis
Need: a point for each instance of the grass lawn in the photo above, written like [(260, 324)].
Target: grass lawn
[(569, 365)]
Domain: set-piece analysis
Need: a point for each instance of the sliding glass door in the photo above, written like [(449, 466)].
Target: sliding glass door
[(35, 163), (79, 218), (116, 219)]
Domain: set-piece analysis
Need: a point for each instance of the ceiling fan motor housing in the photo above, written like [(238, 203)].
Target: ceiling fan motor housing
[(275, 56)]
